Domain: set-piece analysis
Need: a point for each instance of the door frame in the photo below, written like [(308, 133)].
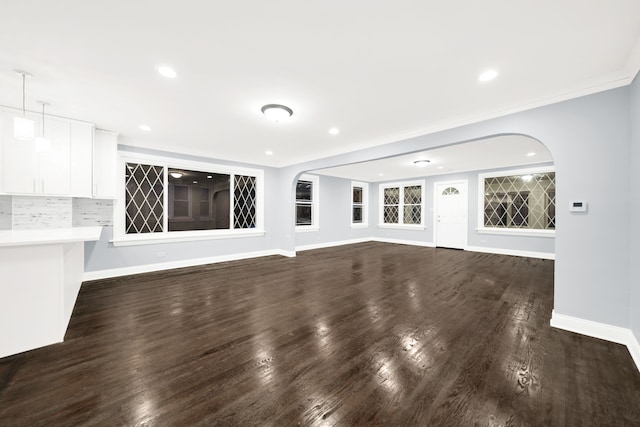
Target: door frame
[(465, 182)]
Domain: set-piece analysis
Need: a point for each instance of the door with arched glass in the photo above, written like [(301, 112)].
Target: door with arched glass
[(451, 214)]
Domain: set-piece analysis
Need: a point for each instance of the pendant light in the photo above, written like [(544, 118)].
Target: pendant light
[(43, 144), (24, 129)]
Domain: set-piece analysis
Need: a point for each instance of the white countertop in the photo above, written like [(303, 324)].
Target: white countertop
[(49, 236)]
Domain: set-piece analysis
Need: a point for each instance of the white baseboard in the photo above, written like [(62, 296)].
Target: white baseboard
[(599, 330), (148, 268), (403, 242), (331, 244), (513, 252)]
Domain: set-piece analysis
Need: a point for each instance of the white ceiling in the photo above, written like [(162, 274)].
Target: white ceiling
[(490, 153), (380, 71)]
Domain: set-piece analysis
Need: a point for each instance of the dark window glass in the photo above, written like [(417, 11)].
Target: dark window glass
[(357, 215)]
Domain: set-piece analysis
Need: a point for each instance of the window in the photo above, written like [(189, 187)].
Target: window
[(402, 205), (307, 191), (518, 201), (198, 200), (359, 201), (171, 199)]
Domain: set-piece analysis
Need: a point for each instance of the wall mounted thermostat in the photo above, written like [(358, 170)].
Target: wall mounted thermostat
[(578, 206)]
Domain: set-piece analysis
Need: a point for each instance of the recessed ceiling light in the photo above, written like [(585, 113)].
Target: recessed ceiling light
[(269, 153), (195, 182), (176, 175), (145, 128), (440, 167), (531, 154), (167, 72), (276, 112), (488, 75), (380, 174), (209, 176), (334, 131), (422, 162)]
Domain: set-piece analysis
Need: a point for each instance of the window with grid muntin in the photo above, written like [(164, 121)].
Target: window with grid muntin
[(192, 202), (144, 198), (520, 201), (402, 204)]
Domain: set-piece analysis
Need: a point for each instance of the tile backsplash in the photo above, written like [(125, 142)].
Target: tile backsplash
[(37, 212), (88, 212), (5, 212)]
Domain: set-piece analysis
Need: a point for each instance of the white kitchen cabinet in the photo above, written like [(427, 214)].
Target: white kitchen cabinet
[(81, 159), (19, 163), (105, 164), (54, 167), (65, 170)]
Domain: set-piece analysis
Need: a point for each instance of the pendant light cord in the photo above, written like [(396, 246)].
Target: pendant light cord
[(43, 104), (24, 77)]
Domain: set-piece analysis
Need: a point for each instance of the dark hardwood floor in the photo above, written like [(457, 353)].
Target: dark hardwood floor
[(367, 334)]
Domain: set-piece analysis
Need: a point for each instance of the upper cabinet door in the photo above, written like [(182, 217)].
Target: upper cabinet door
[(81, 158), (55, 166), (19, 161), (105, 161)]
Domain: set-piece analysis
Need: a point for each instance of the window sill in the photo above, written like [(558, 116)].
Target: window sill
[(306, 228), (517, 232), (403, 226), (152, 239), (359, 225)]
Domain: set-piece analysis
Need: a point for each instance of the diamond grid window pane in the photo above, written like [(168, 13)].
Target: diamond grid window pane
[(244, 209), (412, 214), (391, 214), (144, 198), (392, 196), (520, 201), (413, 195)]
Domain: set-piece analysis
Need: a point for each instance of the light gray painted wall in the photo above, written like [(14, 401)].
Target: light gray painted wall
[(335, 215), (517, 243), (635, 207), (588, 138), (102, 255)]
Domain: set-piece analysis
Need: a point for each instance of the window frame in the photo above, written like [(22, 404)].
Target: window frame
[(401, 205), (315, 204), (531, 232), (364, 205), (121, 238)]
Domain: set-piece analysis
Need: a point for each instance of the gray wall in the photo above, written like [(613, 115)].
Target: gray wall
[(335, 215), (635, 207), (588, 138), (512, 242)]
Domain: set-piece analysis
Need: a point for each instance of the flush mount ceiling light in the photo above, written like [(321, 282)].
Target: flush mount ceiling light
[(488, 75), (24, 129), (422, 163), (43, 144), (269, 153), (176, 175), (276, 112), (334, 131), (168, 72)]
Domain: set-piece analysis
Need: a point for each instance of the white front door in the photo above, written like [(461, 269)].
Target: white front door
[(451, 214)]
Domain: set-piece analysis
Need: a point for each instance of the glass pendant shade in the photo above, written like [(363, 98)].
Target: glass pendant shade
[(43, 145), (24, 128)]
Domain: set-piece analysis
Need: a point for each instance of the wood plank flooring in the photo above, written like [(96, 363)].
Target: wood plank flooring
[(366, 334)]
